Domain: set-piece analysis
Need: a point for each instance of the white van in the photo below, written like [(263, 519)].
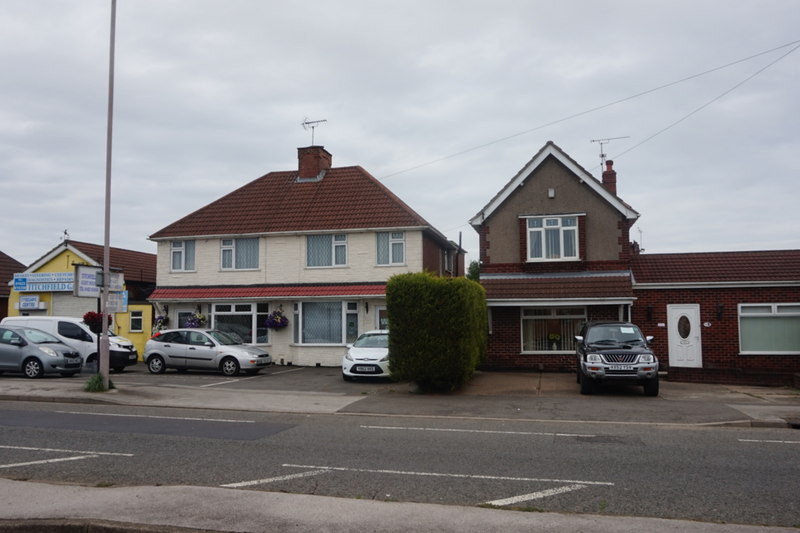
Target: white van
[(74, 332)]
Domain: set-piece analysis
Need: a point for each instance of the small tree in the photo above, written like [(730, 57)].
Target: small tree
[(474, 271)]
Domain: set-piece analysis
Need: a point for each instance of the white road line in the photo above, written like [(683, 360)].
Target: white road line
[(772, 441), (275, 479), (162, 417), (536, 495), (530, 433), (58, 450), (219, 383), (45, 461), (286, 371), (438, 474)]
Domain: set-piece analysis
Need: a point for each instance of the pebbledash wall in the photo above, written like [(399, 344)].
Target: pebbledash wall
[(719, 316)]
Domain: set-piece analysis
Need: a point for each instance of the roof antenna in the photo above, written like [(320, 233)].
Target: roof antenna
[(312, 124), (606, 141), (65, 236)]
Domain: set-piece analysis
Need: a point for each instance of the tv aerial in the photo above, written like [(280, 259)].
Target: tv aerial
[(312, 124), (606, 141)]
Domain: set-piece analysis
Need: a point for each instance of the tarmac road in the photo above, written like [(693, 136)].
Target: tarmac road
[(517, 396)]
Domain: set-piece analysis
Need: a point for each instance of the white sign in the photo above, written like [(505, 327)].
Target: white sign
[(118, 302), (90, 280), (43, 281), (28, 302)]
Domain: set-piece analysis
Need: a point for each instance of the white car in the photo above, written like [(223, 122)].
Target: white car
[(368, 356)]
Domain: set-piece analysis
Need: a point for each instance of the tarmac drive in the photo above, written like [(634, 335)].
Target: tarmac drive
[(517, 396)]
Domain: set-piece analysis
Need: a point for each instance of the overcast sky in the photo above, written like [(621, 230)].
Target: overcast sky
[(442, 101)]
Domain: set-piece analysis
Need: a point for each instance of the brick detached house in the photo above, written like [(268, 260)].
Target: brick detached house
[(555, 252), (317, 244)]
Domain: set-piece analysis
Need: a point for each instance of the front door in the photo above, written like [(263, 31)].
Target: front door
[(685, 347)]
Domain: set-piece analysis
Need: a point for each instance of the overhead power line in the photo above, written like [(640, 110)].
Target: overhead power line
[(795, 44)]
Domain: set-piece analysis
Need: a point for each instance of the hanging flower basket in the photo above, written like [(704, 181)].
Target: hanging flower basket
[(197, 320), (95, 321), (160, 322), (276, 320)]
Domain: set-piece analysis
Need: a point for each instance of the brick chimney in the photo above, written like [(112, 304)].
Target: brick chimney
[(610, 178), (313, 161)]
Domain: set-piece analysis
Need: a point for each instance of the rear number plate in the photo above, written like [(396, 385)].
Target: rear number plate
[(621, 367)]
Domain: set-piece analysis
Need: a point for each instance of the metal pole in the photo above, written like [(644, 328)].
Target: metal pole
[(104, 343)]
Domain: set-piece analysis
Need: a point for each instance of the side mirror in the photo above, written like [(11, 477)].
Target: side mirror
[(649, 339), (208, 344), (579, 338), (18, 341)]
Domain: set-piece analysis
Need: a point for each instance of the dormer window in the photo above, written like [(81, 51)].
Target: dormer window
[(553, 238)]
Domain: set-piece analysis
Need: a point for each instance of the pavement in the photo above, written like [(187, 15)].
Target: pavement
[(489, 395)]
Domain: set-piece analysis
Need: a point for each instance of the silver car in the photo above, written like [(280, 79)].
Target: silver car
[(35, 353), (202, 349)]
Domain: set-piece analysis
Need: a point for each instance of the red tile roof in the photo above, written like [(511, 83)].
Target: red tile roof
[(136, 266), (710, 267), (8, 267), (345, 198), (269, 291), (584, 286)]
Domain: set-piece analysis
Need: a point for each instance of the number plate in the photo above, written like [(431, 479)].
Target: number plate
[(621, 367), (365, 369), (132, 357)]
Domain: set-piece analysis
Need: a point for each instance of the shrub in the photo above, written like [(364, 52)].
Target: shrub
[(437, 329)]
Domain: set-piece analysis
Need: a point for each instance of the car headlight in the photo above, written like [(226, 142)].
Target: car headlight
[(348, 357), (593, 358), (384, 358), (49, 351), (646, 358)]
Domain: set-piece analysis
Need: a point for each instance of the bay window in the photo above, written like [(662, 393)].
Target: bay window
[(551, 329), (245, 320), (326, 322)]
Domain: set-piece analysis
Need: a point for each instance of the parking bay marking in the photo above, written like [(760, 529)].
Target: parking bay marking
[(192, 419), (452, 430), (85, 455)]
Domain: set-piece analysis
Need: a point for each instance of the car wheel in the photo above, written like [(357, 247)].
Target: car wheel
[(587, 384), (229, 366), (651, 387), (156, 365), (346, 377), (33, 368)]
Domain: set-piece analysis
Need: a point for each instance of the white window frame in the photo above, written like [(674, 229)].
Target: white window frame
[(258, 311), (768, 311), (550, 223), (394, 238), (349, 315), (338, 241), (181, 249), (229, 246), (136, 316)]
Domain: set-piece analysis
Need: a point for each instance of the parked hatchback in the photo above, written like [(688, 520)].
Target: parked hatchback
[(367, 356), (202, 349), (615, 351), (35, 353)]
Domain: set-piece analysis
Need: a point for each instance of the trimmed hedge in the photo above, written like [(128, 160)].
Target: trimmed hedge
[(437, 329)]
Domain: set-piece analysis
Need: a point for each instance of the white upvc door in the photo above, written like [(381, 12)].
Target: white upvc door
[(685, 343)]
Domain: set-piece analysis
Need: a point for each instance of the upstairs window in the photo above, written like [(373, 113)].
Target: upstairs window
[(553, 238), (239, 254), (182, 256), (391, 247), (326, 250)]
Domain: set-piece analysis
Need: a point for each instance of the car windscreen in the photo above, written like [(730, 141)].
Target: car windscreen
[(38, 336), (224, 338), (380, 340), (614, 334)]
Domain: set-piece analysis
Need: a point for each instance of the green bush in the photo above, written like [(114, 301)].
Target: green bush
[(437, 329)]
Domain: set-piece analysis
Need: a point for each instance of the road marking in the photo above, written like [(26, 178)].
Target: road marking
[(58, 450), (45, 461), (439, 474), (275, 479), (286, 371), (162, 417), (536, 495), (771, 441), (529, 433)]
